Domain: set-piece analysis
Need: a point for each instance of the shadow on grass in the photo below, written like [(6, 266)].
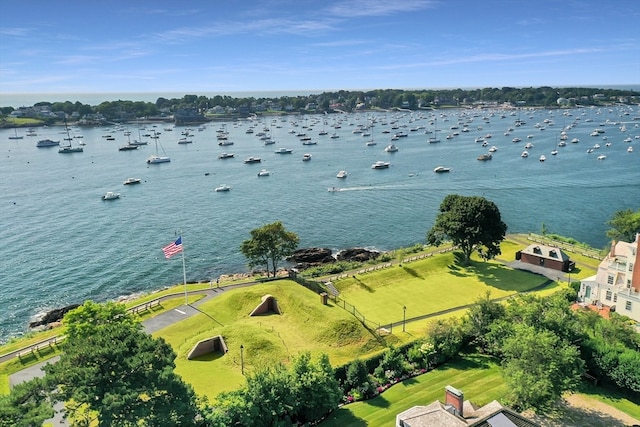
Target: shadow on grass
[(379, 402), (207, 314), (412, 272), (343, 417), (364, 285), (469, 361)]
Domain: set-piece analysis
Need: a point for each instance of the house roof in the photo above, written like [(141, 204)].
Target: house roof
[(547, 252), (437, 414)]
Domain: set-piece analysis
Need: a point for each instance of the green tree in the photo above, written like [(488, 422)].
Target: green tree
[(538, 367), (480, 316), (472, 223), (315, 387), (269, 245), (624, 225), (117, 373), (26, 405)]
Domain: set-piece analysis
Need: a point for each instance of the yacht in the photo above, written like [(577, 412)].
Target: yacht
[(283, 150), (185, 140), (222, 188), (131, 181), (601, 157), (128, 147), (524, 154), (391, 148), (554, 152), (225, 142), (47, 143), (252, 160), (342, 174), (380, 165), (442, 169), (110, 195), (306, 157), (226, 155), (542, 158), (264, 172)]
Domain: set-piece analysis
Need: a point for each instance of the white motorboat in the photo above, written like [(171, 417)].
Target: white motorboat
[(342, 174), (226, 155), (601, 157), (575, 140), (222, 188), (264, 172), (131, 181), (333, 189), (442, 169), (524, 154), (47, 143), (185, 140), (110, 195), (306, 157), (225, 142), (252, 160), (283, 150), (528, 146), (380, 165), (391, 148), (542, 158), (493, 149), (630, 149), (554, 152)]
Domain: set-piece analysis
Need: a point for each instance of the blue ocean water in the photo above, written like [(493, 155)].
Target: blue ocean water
[(62, 244)]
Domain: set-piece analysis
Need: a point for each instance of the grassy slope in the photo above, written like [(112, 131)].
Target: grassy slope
[(304, 325)]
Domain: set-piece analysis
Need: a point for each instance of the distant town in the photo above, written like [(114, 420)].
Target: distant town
[(194, 108)]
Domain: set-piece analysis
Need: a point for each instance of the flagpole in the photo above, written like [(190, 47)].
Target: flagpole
[(184, 275)]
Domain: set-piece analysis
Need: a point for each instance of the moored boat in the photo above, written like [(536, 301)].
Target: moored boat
[(110, 195), (380, 165), (442, 169), (131, 181)]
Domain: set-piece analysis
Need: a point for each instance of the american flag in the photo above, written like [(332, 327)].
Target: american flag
[(173, 248)]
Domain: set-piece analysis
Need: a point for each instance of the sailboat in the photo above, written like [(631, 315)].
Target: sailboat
[(69, 148), (433, 139), (16, 136), (155, 158)]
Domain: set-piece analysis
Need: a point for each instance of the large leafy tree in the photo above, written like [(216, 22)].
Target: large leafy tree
[(269, 245), (472, 223), (538, 367), (113, 371), (624, 225)]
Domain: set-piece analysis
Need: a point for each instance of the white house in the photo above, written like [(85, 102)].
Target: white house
[(616, 285)]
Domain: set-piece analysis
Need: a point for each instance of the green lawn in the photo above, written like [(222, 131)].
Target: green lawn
[(477, 376), (430, 285)]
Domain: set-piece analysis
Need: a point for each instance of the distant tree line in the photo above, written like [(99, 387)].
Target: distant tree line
[(345, 100)]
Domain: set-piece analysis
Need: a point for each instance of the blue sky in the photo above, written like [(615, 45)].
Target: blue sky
[(69, 46)]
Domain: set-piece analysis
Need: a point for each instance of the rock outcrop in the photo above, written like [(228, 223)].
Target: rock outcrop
[(52, 316), (312, 256), (357, 255)]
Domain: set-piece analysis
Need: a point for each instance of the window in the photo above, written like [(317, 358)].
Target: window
[(610, 279), (615, 297), (630, 266), (627, 306), (608, 296)]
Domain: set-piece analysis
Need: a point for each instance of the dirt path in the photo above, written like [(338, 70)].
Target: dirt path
[(578, 410)]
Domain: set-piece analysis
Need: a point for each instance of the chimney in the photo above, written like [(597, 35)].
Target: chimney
[(612, 252), (455, 398)]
